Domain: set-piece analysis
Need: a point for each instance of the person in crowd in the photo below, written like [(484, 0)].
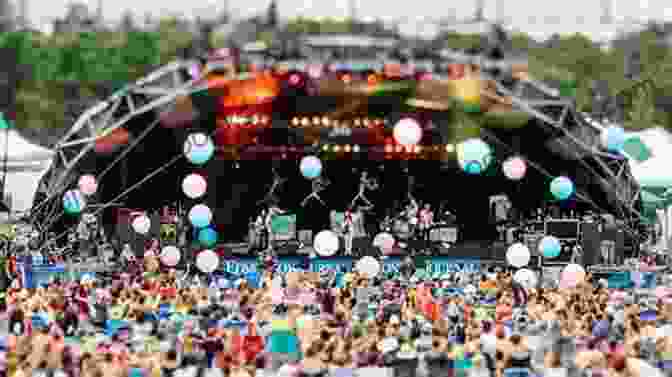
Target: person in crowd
[(309, 327)]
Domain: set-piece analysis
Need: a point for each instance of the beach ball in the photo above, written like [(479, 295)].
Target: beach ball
[(208, 237), (87, 184), (73, 202), (368, 266), (315, 71), (207, 261), (311, 167), (572, 275), (199, 148), (526, 278), (562, 188), (613, 138), (407, 132), (473, 168), (514, 168), (471, 151), (326, 243), (385, 242), (194, 186), (200, 216), (170, 256), (550, 247), (518, 255), (141, 224)]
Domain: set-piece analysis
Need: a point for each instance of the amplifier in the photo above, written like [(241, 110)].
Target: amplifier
[(562, 229), (443, 234)]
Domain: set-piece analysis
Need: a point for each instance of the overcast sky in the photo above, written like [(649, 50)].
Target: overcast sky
[(535, 17)]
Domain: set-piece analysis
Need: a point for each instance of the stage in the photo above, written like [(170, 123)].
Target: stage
[(490, 251)]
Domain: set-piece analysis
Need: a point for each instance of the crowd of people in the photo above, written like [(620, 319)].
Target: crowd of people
[(157, 322)]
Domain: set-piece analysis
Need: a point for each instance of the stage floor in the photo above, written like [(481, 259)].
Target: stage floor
[(484, 250)]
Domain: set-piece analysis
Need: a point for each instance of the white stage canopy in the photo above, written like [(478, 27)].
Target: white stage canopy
[(26, 163)]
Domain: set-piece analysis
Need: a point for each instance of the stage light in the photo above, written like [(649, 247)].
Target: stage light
[(346, 78), (399, 149), (335, 123), (366, 122), (389, 148), (305, 122), (295, 122), (355, 148), (372, 80), (316, 121), (347, 148), (295, 80), (265, 119), (450, 148), (255, 119), (357, 122), (337, 148), (408, 148), (325, 147), (325, 121), (417, 149)]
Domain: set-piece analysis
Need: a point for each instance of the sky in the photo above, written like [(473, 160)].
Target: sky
[(539, 18)]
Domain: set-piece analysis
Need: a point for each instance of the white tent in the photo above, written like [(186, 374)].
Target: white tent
[(26, 163)]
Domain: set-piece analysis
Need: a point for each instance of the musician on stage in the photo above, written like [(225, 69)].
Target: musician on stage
[(349, 229), (261, 242), (411, 213), (273, 210), (353, 225), (425, 222)]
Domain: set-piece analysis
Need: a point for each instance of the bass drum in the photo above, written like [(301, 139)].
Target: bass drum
[(402, 230)]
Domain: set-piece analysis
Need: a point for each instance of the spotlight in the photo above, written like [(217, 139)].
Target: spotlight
[(295, 122), (355, 148), (389, 148), (450, 148), (325, 121), (295, 80), (347, 148), (305, 122)]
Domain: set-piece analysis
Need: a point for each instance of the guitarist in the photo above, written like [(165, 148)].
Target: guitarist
[(273, 210)]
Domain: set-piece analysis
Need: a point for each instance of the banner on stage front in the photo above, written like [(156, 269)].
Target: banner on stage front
[(435, 265)]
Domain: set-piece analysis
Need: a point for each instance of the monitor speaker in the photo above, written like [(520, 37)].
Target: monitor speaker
[(612, 246), (590, 242)]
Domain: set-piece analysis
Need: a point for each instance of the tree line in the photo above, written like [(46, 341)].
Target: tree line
[(52, 67)]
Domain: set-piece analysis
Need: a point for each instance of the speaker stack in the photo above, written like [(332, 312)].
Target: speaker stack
[(590, 242)]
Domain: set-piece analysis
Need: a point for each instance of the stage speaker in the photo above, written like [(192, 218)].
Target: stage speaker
[(443, 234), (306, 237), (612, 246), (363, 246), (590, 242)]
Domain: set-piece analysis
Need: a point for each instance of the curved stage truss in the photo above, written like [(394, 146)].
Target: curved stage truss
[(161, 88)]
